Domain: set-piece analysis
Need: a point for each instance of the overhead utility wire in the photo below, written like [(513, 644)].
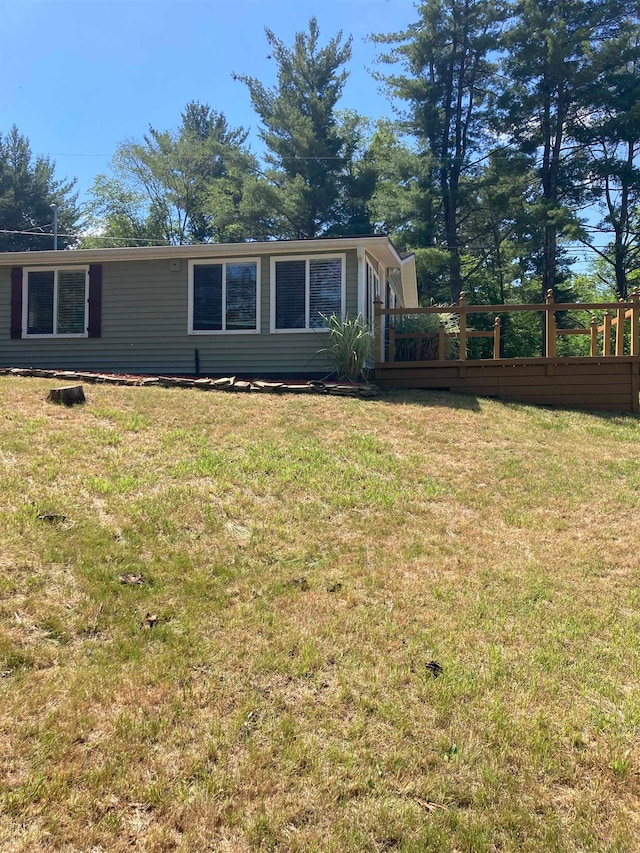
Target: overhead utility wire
[(91, 236), (202, 243)]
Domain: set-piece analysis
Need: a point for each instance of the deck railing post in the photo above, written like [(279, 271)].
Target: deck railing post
[(462, 314), (442, 351), (635, 323), (593, 326), (606, 334), (550, 326), (496, 337), (620, 331), (392, 343)]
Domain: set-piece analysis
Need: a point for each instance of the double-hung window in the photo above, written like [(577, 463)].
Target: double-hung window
[(224, 296), (55, 302), (305, 291)]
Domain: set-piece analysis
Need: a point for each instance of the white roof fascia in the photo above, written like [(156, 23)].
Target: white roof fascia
[(378, 246)]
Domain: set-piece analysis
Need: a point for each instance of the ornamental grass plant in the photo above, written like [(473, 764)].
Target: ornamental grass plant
[(425, 348), (350, 346)]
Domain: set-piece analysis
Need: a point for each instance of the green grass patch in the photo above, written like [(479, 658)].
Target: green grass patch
[(219, 613)]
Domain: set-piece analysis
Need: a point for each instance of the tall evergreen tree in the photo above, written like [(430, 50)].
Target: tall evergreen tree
[(446, 57), (403, 204), (405, 193), (309, 150), (358, 179), (552, 48), (608, 126), (496, 231), (28, 188)]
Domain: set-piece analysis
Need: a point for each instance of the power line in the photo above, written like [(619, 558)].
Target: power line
[(63, 154), (569, 248), (91, 236)]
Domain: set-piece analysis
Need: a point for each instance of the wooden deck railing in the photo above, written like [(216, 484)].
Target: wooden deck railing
[(615, 316)]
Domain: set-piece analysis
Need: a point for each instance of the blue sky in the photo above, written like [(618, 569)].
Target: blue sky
[(79, 76)]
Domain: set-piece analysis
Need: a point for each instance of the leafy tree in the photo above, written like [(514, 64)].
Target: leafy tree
[(28, 188), (118, 217), (195, 184), (446, 57), (310, 146)]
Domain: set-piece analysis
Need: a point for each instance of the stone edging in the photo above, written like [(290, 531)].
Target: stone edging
[(228, 383)]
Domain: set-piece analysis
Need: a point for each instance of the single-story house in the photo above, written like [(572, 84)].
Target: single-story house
[(243, 308)]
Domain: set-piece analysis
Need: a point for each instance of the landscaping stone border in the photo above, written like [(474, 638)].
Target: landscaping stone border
[(225, 383)]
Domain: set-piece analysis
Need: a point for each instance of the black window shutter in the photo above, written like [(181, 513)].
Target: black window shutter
[(16, 302), (95, 301)]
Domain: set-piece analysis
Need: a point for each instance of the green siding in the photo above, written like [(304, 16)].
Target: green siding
[(144, 329)]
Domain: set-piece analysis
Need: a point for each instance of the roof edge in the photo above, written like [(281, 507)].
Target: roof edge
[(199, 250)]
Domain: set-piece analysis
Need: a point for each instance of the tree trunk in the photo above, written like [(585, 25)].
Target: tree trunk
[(619, 265), (451, 230), (69, 395)]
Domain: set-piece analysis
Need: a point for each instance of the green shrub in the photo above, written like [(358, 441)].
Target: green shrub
[(350, 346), (425, 349)]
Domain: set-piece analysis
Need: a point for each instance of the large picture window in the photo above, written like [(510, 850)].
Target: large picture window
[(305, 291), (223, 296), (55, 301)]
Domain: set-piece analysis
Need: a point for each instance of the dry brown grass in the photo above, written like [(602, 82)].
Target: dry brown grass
[(305, 558)]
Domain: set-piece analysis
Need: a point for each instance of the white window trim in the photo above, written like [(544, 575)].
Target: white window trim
[(25, 301), (343, 291), (223, 262), (372, 286)]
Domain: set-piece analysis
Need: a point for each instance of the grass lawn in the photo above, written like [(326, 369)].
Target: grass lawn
[(217, 612)]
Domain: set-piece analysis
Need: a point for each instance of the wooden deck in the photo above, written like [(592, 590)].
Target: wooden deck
[(601, 381)]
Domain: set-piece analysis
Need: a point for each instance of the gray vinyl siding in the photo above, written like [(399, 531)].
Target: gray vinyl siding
[(145, 329)]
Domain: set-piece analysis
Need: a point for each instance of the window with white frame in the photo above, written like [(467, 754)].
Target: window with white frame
[(305, 291), (373, 292), (224, 296), (55, 301)]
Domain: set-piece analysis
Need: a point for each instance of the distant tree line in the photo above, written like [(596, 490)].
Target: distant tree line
[(517, 138)]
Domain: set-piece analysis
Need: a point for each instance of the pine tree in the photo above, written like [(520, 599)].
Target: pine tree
[(28, 188), (608, 127), (448, 75), (307, 150), (553, 47)]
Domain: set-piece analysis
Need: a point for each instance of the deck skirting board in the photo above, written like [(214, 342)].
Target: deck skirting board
[(611, 384)]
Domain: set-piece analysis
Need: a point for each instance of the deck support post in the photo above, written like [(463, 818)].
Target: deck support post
[(496, 337), (606, 334), (442, 352), (620, 331), (462, 314), (593, 326), (635, 323), (550, 326)]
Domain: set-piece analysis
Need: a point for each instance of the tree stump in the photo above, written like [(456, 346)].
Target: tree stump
[(69, 395)]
